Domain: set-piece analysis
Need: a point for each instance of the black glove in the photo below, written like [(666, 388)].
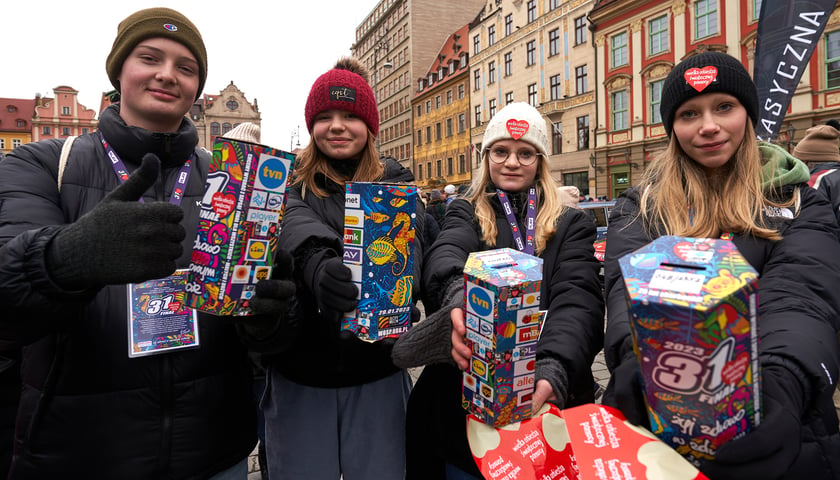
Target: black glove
[(273, 326), (768, 451), (121, 240), (624, 391), (334, 288), (551, 370)]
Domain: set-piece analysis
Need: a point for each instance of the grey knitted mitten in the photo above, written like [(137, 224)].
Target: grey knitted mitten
[(550, 369), (430, 341)]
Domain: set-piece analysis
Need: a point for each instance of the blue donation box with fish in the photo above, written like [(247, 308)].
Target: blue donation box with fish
[(379, 250)]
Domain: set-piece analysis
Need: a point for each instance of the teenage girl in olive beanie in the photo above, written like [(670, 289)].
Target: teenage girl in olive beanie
[(716, 180), (334, 404)]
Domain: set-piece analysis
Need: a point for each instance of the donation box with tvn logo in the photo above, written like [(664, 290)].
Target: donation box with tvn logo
[(693, 306), (502, 301), (240, 214)]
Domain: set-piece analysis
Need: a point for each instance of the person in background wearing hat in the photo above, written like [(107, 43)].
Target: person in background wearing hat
[(449, 193), (125, 213), (436, 206), (716, 180), (515, 177), (334, 404)]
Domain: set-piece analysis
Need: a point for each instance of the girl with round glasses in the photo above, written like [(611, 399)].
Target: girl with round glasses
[(515, 178)]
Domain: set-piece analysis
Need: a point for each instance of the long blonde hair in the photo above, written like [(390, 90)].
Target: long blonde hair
[(549, 205), (731, 200), (311, 161)]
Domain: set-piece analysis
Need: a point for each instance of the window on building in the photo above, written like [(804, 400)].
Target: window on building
[(659, 41), (580, 30), (420, 172), (554, 42), (461, 93), (46, 130), (552, 4), (462, 163), (491, 35), (448, 127), (508, 24), (16, 142), (508, 64), (832, 59), (429, 134), (85, 130), (492, 107), (449, 166), (477, 80), (579, 180), (20, 123), (531, 52), (420, 137), (478, 115), (491, 72), (556, 90), (215, 129), (655, 101), (583, 132), (448, 97), (419, 110), (428, 106), (437, 168), (532, 94), (620, 111), (556, 138), (508, 98), (462, 122), (532, 10), (226, 127), (2, 143), (618, 45), (476, 44), (65, 131), (429, 169), (705, 18), (437, 101), (437, 131), (232, 104), (756, 9), (65, 110), (581, 80)]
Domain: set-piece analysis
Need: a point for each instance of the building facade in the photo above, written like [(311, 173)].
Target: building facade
[(397, 42), (215, 115), (537, 52), (441, 117), (15, 123), (61, 116)]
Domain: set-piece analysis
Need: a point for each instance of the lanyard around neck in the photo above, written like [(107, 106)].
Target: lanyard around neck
[(122, 172), (527, 245)]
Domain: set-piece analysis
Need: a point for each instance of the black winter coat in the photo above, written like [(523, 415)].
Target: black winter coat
[(572, 332), (797, 326), (86, 408), (313, 230)]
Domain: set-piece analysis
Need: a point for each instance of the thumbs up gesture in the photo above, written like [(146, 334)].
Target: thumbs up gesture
[(121, 240)]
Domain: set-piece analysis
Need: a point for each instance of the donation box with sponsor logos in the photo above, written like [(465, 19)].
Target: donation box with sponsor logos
[(693, 311), (379, 250), (502, 301), (236, 239)]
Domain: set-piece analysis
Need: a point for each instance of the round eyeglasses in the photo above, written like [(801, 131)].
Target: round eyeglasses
[(525, 157)]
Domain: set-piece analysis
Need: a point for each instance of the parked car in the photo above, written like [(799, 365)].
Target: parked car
[(599, 212)]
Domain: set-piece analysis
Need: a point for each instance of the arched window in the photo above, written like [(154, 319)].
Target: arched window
[(225, 128), (215, 129)]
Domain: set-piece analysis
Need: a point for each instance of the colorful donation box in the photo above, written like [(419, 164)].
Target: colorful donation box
[(502, 301), (379, 250), (693, 307), (236, 239)]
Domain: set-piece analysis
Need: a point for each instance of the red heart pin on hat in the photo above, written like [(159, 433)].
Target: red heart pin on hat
[(700, 78), (517, 128)]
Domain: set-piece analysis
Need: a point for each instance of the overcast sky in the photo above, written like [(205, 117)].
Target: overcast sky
[(282, 47)]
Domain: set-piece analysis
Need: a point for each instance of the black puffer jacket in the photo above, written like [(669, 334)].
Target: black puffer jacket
[(87, 409), (572, 332), (313, 230), (798, 311)]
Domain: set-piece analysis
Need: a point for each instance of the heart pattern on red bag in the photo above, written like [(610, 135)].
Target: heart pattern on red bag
[(700, 78), (517, 128)]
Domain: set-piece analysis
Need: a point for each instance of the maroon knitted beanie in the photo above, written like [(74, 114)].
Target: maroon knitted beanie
[(343, 89)]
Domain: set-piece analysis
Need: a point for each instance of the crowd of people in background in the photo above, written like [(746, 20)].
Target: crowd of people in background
[(84, 222)]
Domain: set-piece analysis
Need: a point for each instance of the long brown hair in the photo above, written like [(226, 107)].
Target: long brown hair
[(731, 200), (550, 206)]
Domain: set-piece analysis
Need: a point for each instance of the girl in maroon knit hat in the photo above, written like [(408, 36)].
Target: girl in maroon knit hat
[(335, 405)]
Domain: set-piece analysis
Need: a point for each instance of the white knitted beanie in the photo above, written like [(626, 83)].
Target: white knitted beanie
[(245, 132), (517, 121)]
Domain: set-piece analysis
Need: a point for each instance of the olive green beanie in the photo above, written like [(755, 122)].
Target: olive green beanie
[(155, 22)]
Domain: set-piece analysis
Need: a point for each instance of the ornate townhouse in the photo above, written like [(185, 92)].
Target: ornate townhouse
[(637, 44), (215, 115), (15, 123), (441, 117), (397, 42), (61, 116), (538, 52)]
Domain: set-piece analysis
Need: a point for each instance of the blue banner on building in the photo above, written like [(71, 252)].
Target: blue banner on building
[(788, 32)]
